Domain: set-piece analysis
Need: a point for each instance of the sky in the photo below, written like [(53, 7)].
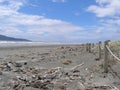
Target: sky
[(65, 21)]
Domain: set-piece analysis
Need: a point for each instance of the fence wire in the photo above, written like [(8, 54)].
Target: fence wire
[(112, 53)]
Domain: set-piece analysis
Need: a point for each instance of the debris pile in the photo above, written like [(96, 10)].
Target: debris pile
[(47, 79), (42, 78)]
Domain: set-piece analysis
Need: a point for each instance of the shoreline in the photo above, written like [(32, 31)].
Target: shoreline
[(33, 46)]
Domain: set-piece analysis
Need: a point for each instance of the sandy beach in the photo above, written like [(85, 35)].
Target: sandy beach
[(55, 67)]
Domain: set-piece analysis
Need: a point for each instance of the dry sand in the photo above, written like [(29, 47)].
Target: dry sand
[(55, 67)]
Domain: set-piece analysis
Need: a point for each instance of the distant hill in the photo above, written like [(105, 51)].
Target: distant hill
[(6, 38)]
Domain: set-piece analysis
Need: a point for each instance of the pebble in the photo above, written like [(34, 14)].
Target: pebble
[(17, 64)]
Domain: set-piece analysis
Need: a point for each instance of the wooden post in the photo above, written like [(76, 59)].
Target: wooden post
[(92, 45), (105, 57), (99, 46), (89, 46)]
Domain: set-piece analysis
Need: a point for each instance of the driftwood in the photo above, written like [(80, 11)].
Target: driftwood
[(77, 66)]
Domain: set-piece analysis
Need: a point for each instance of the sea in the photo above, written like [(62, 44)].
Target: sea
[(24, 43)]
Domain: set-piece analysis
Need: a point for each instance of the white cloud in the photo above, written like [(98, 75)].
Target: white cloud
[(109, 21), (105, 8), (63, 1), (113, 21), (10, 7), (14, 23), (10, 31), (12, 4)]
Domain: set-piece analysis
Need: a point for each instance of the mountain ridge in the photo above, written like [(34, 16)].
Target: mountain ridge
[(7, 38)]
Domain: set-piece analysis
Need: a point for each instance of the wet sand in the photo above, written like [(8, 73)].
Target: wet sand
[(54, 67)]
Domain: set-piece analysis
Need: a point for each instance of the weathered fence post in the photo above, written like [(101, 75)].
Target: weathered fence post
[(105, 57), (89, 45), (92, 45), (99, 46)]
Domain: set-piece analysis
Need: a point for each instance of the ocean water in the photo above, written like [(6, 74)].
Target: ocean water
[(14, 43)]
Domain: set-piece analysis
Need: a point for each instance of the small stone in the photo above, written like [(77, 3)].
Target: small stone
[(62, 47), (62, 87), (17, 64), (25, 63), (97, 59), (75, 71), (63, 57), (18, 70), (67, 62), (33, 58)]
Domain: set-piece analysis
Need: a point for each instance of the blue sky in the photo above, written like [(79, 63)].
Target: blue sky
[(67, 21)]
